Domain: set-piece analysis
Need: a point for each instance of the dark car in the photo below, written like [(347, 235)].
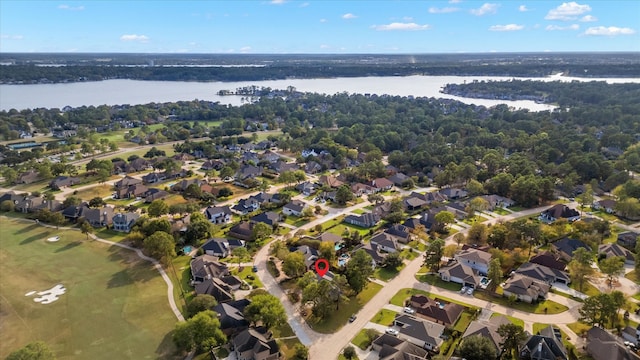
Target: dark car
[(254, 268), (352, 318)]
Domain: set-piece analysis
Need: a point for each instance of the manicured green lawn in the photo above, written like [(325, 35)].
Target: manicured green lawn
[(587, 288), (633, 276), (361, 340), (579, 327), (463, 322), (246, 274), (551, 307), (359, 211), (436, 281), (111, 235), (384, 317), (341, 357), (387, 273), (501, 211), (115, 305), (340, 317), (402, 295), (98, 190)]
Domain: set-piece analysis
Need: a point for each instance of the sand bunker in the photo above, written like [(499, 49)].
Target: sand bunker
[(48, 296), (53, 239)]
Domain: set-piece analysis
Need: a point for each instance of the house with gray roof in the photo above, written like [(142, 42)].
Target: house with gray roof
[(218, 214), (602, 345), (420, 332), (231, 316), (543, 273), (393, 348), (611, 250), (255, 344), (475, 259), (628, 239), (460, 274), (268, 217), (489, 330), (385, 242), (566, 246), (124, 221), (544, 346), (98, 217), (294, 207), (525, 288), (559, 211), (365, 220)]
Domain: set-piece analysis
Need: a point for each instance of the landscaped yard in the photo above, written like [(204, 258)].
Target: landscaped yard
[(387, 273), (513, 320), (402, 295), (247, 275), (341, 316), (436, 281), (115, 305), (361, 340), (632, 275), (98, 190), (384, 317), (545, 307)]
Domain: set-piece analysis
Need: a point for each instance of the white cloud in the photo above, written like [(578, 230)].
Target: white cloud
[(523, 8), (325, 46), (454, 1), (567, 11), (277, 2), (509, 27), (70, 8), (444, 10), (245, 49), (134, 37), (609, 31), (401, 27), (11, 37), (557, 27), (486, 8), (323, 20), (407, 18), (304, 4), (349, 16), (588, 18)]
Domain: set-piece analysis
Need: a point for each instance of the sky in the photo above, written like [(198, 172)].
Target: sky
[(320, 26)]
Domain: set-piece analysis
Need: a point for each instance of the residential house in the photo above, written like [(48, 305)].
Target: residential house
[(306, 153), (98, 217), (330, 181), (497, 201), (206, 188), (216, 247), (155, 194), (458, 209), (489, 330), (460, 274), (246, 206), (454, 193), (549, 260), (547, 345), (434, 197), (268, 217), (124, 221), (436, 310), (630, 334), (307, 188), (182, 185), (359, 189), (153, 177), (132, 192), (295, 208), (218, 214), (207, 267), (423, 333), (606, 205), (212, 165), (525, 288), (385, 242), (390, 347), (616, 250), (365, 220), (628, 239), (248, 172), (310, 255), (475, 259), (28, 177), (127, 181), (602, 345), (63, 181), (327, 236), (281, 166), (413, 203), (72, 213), (398, 178), (139, 164), (266, 198), (381, 210), (243, 230), (559, 211), (400, 232), (377, 256), (381, 184), (231, 316), (175, 174), (12, 196), (312, 167), (566, 246), (255, 344), (543, 273)]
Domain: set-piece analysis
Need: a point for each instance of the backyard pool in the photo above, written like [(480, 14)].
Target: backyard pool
[(186, 249), (484, 281)]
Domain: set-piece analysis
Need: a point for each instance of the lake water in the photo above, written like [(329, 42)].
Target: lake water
[(133, 92)]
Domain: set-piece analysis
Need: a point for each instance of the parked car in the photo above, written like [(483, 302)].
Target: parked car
[(463, 290), (409, 310), (470, 291), (392, 331), (352, 318), (254, 268)]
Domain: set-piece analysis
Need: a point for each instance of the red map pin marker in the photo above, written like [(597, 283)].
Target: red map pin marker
[(325, 267)]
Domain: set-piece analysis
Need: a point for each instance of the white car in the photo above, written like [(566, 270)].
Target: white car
[(463, 290), (470, 291), (391, 331), (409, 310)]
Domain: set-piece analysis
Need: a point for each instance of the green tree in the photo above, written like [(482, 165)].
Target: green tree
[(475, 205), (287, 177), (444, 218), (293, 265), (477, 234), (393, 260), (10, 175), (358, 270), (241, 254), (327, 251), (97, 202), (580, 266), (300, 352), (433, 254), (586, 198), (612, 267), (474, 187), (349, 352), (86, 228), (494, 273), (161, 246), (477, 347), (344, 195), (157, 208), (267, 310), (57, 219), (261, 231), (200, 303), (7, 206), (199, 228), (512, 336), (33, 351), (71, 201), (200, 332)]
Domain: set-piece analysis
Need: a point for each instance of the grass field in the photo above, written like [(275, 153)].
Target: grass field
[(340, 317), (115, 305), (384, 317)]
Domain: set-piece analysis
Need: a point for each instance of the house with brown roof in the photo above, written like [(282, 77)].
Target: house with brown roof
[(155, 194), (612, 250), (549, 260), (359, 189), (132, 192), (63, 181), (28, 177), (127, 181), (243, 230), (330, 180), (460, 274), (436, 310), (255, 344), (381, 184), (489, 330), (525, 288), (606, 205)]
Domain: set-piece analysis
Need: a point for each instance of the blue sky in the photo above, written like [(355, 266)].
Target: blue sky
[(326, 26)]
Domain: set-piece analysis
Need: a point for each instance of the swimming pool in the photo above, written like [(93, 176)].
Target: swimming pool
[(186, 249)]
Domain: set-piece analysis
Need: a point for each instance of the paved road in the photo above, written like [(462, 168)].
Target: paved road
[(155, 263)]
